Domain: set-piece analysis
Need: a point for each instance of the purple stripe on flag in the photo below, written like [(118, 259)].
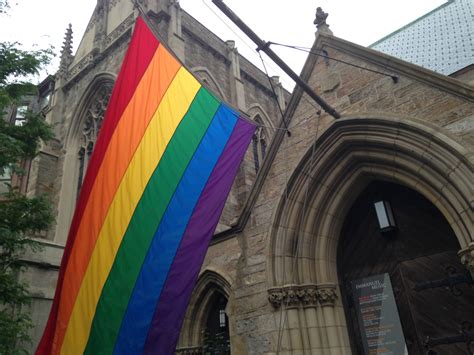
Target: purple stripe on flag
[(171, 307)]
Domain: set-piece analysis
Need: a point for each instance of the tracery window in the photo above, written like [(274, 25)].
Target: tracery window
[(90, 131), (259, 144)]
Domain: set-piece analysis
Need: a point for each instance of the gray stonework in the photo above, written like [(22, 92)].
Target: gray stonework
[(279, 229), (96, 63)]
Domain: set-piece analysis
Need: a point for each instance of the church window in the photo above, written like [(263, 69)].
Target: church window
[(90, 131), (216, 333), (259, 145)]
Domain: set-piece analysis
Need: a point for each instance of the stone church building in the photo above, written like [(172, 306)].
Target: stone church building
[(303, 230)]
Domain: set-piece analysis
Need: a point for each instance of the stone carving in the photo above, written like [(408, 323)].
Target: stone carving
[(286, 296), (90, 132), (84, 63), (321, 17), (303, 295), (308, 295), (66, 53), (194, 350), (259, 147), (467, 258), (120, 30), (275, 297), (95, 56), (112, 4), (327, 295)]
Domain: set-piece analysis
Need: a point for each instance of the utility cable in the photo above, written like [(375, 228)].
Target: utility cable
[(308, 50), (243, 41), (275, 95)]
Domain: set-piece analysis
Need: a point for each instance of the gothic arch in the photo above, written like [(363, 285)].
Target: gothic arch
[(353, 152), (256, 110), (210, 81), (90, 93), (81, 135), (262, 136), (209, 284)]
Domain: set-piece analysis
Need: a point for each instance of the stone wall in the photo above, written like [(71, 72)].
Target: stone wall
[(55, 169), (442, 106)]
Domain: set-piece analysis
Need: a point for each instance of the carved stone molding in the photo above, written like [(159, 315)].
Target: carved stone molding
[(327, 294), (120, 30), (83, 63), (308, 295), (467, 258), (193, 350), (286, 296)]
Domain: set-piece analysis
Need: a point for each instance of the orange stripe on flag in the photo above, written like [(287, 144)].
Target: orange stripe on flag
[(143, 104)]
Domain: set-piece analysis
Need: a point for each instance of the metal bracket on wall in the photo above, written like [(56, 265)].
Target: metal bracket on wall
[(466, 335), (452, 279)]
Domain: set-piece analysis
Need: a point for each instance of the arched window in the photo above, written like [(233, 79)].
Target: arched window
[(206, 327), (216, 332), (90, 131), (259, 144)]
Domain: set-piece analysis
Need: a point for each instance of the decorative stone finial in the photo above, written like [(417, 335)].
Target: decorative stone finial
[(230, 44), (320, 22), (66, 51)]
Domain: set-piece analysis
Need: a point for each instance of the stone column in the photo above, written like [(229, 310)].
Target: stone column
[(175, 38), (327, 299), (237, 86), (467, 257), (285, 300), (308, 295)]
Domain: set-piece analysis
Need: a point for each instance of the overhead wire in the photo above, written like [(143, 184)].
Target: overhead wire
[(310, 51), (245, 42)]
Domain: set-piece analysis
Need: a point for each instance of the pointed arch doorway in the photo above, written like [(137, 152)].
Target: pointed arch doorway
[(418, 262), (307, 229)]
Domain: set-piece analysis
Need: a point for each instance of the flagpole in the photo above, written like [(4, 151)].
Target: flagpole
[(265, 47), (151, 26)]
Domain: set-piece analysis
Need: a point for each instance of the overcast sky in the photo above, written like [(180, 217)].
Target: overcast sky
[(44, 22)]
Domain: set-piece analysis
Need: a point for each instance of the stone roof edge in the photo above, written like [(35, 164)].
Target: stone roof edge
[(398, 66), (392, 65)]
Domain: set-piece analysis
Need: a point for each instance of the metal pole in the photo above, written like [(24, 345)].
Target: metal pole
[(262, 45)]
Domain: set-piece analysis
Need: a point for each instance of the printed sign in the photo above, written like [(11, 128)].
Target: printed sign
[(377, 312)]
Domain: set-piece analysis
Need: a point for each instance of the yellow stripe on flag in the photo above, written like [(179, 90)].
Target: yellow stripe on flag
[(169, 114)]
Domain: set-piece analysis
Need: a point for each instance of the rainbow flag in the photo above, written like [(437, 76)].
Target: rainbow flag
[(157, 182)]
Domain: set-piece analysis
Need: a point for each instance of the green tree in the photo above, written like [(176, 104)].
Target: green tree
[(20, 217), (3, 6)]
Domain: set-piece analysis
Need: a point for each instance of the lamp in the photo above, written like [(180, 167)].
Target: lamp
[(385, 216), (222, 322)]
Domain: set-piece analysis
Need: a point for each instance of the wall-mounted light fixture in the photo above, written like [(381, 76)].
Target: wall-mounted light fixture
[(222, 322), (385, 216)]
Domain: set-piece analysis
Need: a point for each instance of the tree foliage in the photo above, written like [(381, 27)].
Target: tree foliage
[(21, 217), (4, 5)]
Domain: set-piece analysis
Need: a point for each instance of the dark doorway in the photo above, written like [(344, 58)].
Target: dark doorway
[(433, 291), (216, 333)]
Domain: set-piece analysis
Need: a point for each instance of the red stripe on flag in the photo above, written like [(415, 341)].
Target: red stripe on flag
[(134, 65)]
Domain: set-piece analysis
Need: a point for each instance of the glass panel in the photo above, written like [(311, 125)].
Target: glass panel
[(381, 214)]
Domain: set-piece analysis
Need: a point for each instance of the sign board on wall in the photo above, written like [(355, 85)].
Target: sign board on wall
[(378, 317)]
